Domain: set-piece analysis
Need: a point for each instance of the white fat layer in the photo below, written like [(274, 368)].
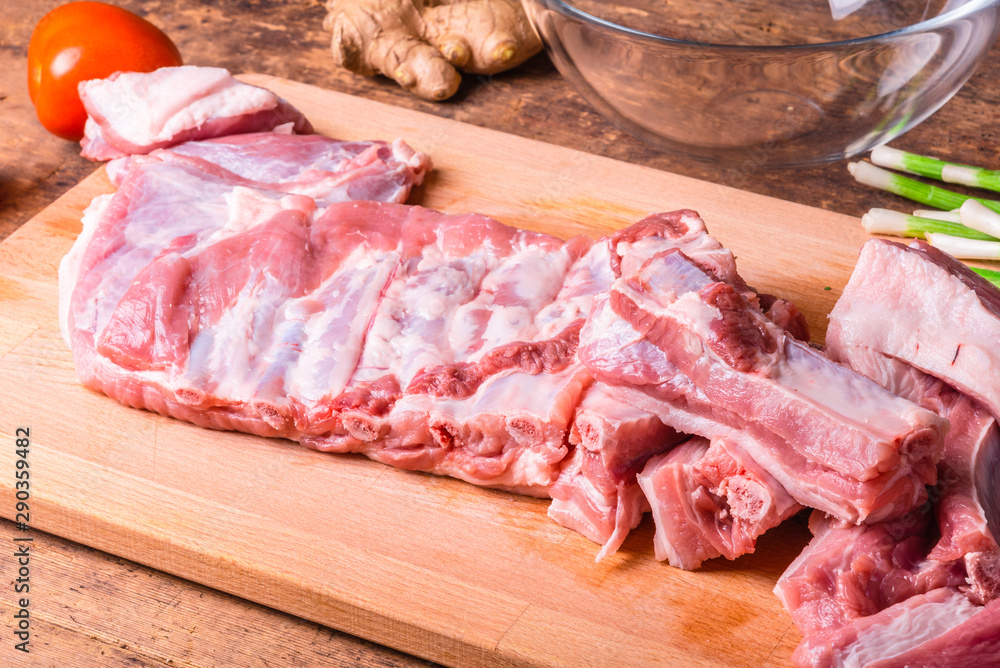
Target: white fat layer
[(246, 208), (334, 319), (146, 109), (917, 625), (857, 399), (962, 346)]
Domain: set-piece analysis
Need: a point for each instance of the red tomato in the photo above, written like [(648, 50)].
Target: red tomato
[(87, 40)]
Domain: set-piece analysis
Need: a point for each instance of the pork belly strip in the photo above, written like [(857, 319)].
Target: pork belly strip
[(781, 413), (710, 500), (134, 113), (922, 306)]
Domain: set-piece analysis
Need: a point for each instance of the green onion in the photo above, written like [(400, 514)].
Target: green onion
[(949, 172), (990, 275), (965, 249), (897, 184), (950, 216), (972, 176), (893, 158), (894, 223), (978, 217)]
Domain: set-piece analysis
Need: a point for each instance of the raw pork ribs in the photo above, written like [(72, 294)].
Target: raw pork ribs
[(922, 589), (221, 286), (275, 283)]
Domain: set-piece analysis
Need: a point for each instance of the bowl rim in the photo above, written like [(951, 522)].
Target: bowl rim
[(951, 15)]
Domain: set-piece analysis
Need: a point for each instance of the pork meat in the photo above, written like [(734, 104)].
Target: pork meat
[(132, 113)]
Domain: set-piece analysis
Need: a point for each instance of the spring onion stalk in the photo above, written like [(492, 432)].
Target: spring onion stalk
[(896, 224), (972, 176), (978, 217), (897, 184), (965, 249), (950, 216), (990, 275), (949, 172), (893, 158)]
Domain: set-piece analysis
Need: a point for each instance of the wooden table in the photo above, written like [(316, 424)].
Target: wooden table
[(92, 608)]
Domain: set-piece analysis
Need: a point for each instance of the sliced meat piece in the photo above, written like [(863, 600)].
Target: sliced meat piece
[(618, 354), (939, 629), (922, 306), (597, 493), (747, 365), (971, 449), (325, 169), (711, 500), (847, 573), (856, 578), (134, 113)]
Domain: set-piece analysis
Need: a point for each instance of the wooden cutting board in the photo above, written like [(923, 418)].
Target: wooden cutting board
[(431, 566)]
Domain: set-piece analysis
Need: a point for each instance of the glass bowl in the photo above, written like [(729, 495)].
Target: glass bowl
[(779, 82)]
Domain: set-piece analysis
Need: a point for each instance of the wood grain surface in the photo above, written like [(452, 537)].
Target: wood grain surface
[(284, 38), (431, 566), (149, 619)]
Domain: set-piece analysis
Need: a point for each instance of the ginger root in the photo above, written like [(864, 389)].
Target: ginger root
[(420, 43)]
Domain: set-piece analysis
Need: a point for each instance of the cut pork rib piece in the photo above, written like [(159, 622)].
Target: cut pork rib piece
[(847, 587), (597, 493), (711, 364), (747, 365), (134, 113), (710, 500), (966, 501), (870, 596), (847, 573)]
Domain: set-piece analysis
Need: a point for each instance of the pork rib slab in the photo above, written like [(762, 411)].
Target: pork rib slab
[(264, 286)]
